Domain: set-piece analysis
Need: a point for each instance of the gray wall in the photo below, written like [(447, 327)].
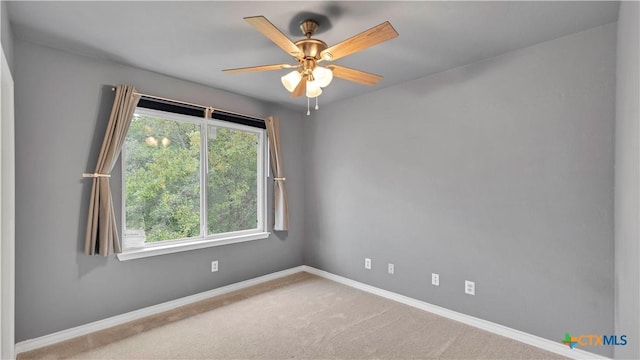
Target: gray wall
[(627, 175), (499, 172), (62, 106), (6, 34)]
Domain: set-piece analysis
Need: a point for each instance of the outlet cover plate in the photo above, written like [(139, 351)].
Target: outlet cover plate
[(214, 266), (367, 263), (469, 287), (391, 269), (435, 279)]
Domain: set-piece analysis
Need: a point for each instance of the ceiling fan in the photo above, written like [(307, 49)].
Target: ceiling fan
[(309, 78)]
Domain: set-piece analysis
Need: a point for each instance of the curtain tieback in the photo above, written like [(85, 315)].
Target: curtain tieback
[(279, 179), (95, 175)]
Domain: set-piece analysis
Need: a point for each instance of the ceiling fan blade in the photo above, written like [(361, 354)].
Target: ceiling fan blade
[(301, 89), (358, 76), (365, 39), (259, 68), (270, 31)]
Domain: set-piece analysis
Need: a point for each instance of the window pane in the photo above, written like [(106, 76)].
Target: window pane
[(232, 189), (162, 180)]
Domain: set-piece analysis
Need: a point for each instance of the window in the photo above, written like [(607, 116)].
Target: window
[(191, 182)]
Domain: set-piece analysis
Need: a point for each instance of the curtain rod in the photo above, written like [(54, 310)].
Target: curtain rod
[(113, 88)]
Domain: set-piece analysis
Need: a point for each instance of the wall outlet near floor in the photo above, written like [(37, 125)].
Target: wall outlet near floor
[(435, 279), (391, 269), (367, 263), (214, 266), (469, 287)]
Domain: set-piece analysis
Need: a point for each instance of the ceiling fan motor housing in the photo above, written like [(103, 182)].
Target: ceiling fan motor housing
[(311, 48)]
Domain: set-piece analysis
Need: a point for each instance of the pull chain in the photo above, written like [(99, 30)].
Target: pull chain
[(308, 112), (317, 102)]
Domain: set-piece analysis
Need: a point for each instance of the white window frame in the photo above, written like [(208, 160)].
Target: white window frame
[(203, 240)]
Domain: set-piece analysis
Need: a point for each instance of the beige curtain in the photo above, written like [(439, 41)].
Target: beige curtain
[(281, 209), (102, 232)]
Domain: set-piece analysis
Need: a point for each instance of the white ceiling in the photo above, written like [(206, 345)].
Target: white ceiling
[(196, 40)]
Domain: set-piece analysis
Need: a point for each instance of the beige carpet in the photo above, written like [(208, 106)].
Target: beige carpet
[(297, 317)]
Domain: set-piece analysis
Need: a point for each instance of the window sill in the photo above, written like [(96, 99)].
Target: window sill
[(138, 253)]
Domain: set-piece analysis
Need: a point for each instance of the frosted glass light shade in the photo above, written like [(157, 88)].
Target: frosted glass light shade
[(291, 80), (313, 89), (322, 75)]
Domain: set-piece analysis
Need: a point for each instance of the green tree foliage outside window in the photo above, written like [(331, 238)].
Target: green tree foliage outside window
[(232, 187), (162, 179)]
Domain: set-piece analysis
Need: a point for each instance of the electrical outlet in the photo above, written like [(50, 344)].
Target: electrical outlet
[(469, 287), (435, 279), (367, 263), (391, 269), (214, 266)]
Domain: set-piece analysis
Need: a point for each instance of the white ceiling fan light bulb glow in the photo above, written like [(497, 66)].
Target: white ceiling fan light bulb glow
[(291, 80), (151, 141), (313, 89), (323, 75)]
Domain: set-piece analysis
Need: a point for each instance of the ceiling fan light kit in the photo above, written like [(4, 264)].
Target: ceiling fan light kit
[(323, 75), (309, 78), (313, 89), (291, 80)]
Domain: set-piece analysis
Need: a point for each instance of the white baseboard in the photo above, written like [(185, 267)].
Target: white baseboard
[(533, 340), (542, 343), (81, 330)]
